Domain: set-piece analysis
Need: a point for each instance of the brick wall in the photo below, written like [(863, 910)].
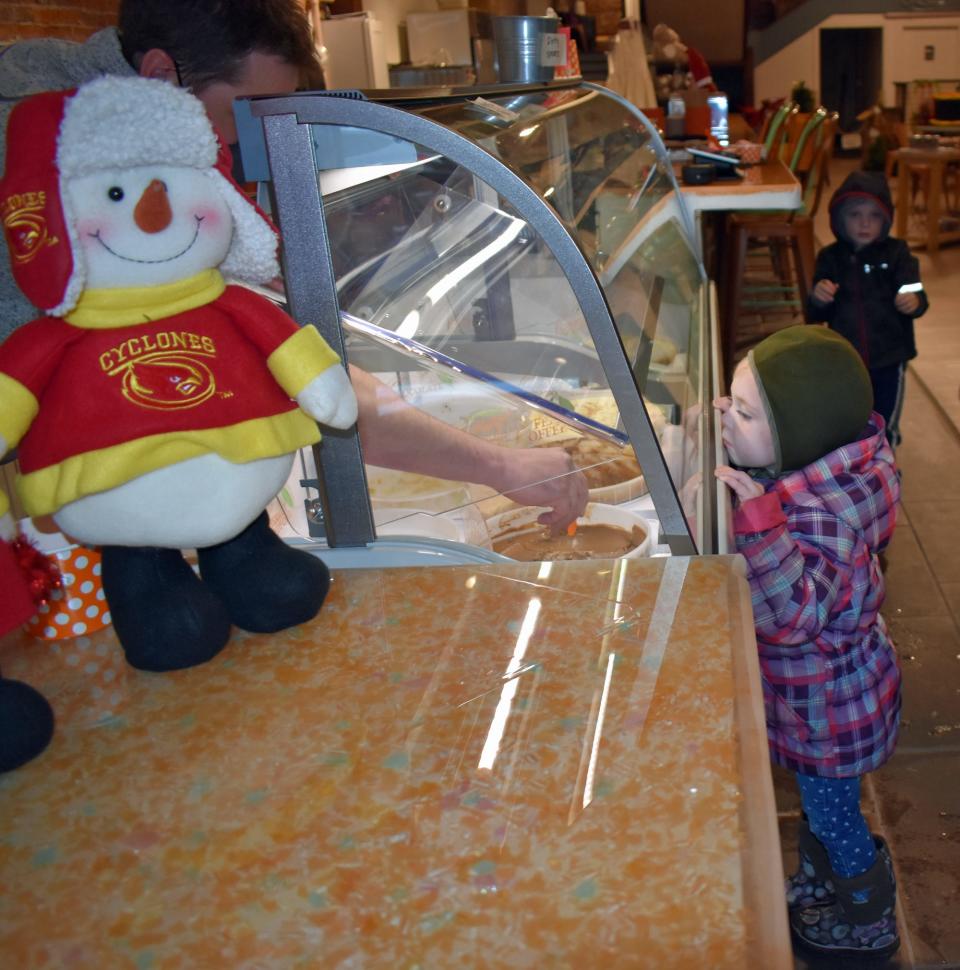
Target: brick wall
[(67, 19)]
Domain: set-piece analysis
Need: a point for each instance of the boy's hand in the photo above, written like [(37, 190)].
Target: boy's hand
[(740, 483), (723, 404), (825, 291), (906, 302)]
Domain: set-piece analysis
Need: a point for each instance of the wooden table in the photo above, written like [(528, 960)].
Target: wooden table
[(934, 161), (524, 765), (769, 185)]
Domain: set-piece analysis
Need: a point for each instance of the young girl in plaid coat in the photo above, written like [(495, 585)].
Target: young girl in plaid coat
[(815, 489)]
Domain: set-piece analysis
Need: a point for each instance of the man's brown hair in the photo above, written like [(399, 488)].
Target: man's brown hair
[(208, 39)]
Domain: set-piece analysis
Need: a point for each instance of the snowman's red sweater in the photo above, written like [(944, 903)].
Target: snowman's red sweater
[(132, 381)]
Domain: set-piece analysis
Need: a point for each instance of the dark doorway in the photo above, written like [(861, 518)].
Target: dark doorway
[(851, 71)]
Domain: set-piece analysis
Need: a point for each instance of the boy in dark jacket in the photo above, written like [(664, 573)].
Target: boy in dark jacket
[(816, 490), (866, 286)]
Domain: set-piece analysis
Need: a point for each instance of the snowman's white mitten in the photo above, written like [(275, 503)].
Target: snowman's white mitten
[(329, 398)]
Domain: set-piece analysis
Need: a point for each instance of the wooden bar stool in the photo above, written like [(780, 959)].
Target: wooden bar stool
[(775, 129), (932, 165), (787, 236)]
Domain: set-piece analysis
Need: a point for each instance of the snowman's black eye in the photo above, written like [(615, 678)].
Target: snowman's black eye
[(115, 193)]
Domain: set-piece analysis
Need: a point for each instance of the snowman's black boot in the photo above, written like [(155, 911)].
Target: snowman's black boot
[(26, 724), (164, 616), (266, 584)]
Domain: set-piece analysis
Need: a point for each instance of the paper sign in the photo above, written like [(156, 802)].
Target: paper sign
[(505, 114), (553, 50)]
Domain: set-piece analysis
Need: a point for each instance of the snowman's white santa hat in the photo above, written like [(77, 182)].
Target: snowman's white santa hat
[(109, 124)]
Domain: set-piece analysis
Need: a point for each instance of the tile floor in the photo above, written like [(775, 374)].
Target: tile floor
[(914, 800)]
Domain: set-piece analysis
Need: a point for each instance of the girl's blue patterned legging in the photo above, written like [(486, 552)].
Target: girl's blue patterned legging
[(833, 812)]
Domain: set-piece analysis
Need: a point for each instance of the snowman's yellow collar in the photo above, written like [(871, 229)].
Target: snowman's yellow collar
[(106, 309)]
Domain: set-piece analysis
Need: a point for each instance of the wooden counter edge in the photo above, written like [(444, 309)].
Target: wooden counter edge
[(764, 899)]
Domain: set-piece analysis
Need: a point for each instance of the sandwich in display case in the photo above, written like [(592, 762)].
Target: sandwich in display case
[(520, 266)]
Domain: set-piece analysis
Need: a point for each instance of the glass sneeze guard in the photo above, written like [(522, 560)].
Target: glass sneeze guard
[(536, 242)]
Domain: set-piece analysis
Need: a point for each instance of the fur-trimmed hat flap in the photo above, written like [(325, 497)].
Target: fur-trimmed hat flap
[(34, 224)]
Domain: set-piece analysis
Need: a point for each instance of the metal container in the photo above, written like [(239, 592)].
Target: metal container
[(524, 48)]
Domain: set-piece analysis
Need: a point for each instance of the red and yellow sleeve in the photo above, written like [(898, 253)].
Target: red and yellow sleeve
[(18, 408), (300, 359), (295, 355)]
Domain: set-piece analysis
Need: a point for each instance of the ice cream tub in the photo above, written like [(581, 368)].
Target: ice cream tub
[(602, 532)]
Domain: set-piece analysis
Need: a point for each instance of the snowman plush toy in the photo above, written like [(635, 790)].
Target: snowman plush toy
[(156, 407)]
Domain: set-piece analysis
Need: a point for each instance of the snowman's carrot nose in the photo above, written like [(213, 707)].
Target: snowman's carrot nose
[(152, 212)]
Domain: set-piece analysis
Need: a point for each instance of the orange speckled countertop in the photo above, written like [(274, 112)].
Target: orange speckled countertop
[(558, 765)]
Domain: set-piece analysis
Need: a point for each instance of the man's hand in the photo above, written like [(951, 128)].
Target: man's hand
[(396, 435), (740, 483), (545, 476), (825, 291)]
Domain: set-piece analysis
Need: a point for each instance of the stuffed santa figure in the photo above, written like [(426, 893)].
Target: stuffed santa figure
[(157, 407), (700, 70)]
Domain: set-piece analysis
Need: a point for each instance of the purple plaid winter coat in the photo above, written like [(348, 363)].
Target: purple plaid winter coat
[(831, 680)]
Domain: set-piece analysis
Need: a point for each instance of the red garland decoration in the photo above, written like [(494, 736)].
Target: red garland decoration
[(40, 570)]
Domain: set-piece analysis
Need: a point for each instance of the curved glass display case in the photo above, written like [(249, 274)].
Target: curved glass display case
[(518, 264)]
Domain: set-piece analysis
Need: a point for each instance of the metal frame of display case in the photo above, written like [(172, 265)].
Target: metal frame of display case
[(312, 292)]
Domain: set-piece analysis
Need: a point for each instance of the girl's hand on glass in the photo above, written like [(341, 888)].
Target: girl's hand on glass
[(739, 482)]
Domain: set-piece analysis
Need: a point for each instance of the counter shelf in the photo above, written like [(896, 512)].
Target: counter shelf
[(501, 765), (535, 236)]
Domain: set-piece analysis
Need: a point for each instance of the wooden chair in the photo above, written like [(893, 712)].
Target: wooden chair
[(919, 175), (775, 129), (917, 172), (787, 236), (801, 141), (818, 175), (901, 137)]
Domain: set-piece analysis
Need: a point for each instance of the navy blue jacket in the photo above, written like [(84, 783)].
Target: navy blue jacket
[(863, 309)]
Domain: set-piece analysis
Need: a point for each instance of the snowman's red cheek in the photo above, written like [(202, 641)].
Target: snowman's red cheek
[(87, 229), (212, 218)]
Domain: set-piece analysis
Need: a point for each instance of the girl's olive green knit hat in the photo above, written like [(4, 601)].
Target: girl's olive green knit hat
[(816, 391)]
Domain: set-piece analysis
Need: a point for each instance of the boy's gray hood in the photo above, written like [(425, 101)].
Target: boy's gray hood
[(858, 186)]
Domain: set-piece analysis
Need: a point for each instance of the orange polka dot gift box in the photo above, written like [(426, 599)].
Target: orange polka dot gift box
[(78, 606)]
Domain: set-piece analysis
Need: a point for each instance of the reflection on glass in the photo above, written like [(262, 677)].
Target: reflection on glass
[(498, 724), (598, 731)]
